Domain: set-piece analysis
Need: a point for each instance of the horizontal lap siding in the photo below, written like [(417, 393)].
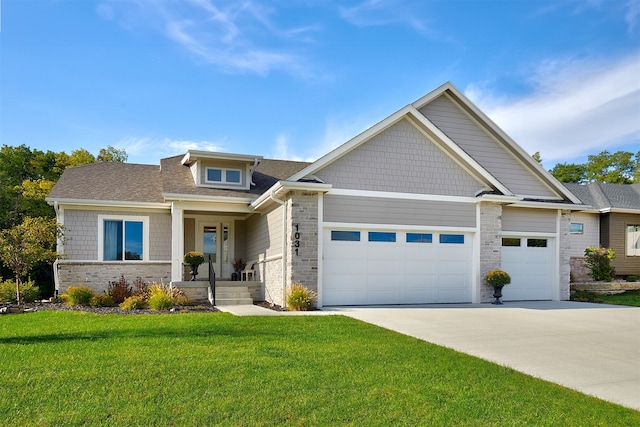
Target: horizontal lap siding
[(400, 159), (264, 234), (529, 220), (590, 235), (618, 242), (377, 210), (483, 148)]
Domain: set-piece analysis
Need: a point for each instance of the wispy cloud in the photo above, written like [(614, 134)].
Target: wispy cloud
[(633, 15), (145, 149), (235, 37), (574, 108), (371, 13)]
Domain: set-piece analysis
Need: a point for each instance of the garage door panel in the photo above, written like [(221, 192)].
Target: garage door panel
[(398, 272), (531, 270)]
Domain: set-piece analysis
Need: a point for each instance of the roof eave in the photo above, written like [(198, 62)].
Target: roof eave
[(106, 203)]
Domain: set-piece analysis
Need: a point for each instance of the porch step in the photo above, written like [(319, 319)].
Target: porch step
[(232, 295)]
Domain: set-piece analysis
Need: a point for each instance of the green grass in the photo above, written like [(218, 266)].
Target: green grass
[(71, 368), (626, 298)]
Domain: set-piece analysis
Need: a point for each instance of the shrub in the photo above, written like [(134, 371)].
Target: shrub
[(140, 288), (102, 300), (78, 295), (300, 298), (632, 278), (498, 278), (160, 297), (134, 302), (585, 296), (28, 292), (120, 290), (598, 260)]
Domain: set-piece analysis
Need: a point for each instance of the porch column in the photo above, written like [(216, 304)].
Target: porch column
[(177, 242)]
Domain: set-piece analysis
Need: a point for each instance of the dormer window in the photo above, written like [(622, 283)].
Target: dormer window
[(224, 176)]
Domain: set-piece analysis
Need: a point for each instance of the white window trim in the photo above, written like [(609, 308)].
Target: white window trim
[(223, 173), (145, 235), (630, 250)]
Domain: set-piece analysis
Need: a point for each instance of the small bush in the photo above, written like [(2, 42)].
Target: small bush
[(102, 300), (498, 278), (585, 296), (134, 302), (140, 288), (28, 292), (300, 298), (632, 278), (598, 260), (78, 295), (120, 290), (160, 297)]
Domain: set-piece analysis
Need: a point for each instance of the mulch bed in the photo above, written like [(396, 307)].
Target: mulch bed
[(41, 306)]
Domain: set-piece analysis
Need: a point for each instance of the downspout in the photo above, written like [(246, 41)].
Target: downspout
[(284, 244), (59, 249)]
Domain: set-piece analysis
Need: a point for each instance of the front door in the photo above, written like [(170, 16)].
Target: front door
[(215, 243)]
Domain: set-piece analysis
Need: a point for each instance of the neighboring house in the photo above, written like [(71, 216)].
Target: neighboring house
[(416, 209), (611, 221)]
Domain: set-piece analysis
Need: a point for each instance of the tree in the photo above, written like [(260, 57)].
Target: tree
[(537, 157), (569, 172), (27, 244), (616, 168), (112, 154)]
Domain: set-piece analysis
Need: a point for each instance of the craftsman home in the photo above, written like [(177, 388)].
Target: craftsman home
[(610, 220), (416, 209)]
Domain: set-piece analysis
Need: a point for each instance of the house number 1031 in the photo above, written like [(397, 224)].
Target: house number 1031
[(296, 239)]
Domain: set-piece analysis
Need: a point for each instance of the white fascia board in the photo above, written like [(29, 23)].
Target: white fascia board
[(548, 179), (193, 155), (620, 210), (108, 203), (419, 103), (461, 157), (395, 227), (405, 196), (175, 197), (498, 198), (548, 205), (286, 186), (352, 144)]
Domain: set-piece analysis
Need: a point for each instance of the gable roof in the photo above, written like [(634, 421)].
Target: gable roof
[(484, 172), (608, 197)]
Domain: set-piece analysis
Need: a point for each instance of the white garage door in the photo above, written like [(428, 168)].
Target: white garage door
[(363, 267), (529, 262)]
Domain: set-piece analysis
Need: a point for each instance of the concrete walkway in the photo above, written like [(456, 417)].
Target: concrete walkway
[(592, 348)]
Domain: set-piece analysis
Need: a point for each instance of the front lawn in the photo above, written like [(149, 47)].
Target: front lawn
[(630, 298), (70, 368)]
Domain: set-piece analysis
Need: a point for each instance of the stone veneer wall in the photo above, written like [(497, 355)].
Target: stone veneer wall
[(269, 272), (303, 235), (579, 270), (564, 257), (490, 245), (97, 275)]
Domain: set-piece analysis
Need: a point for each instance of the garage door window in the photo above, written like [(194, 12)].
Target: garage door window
[(378, 236), (345, 236), (452, 238), (419, 238), (510, 241), (536, 243)]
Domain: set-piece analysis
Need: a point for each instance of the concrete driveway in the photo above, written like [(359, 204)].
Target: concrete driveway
[(592, 348)]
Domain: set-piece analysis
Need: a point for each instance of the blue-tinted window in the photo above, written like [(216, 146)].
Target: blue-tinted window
[(233, 176), (214, 175), (577, 228), (345, 236), (419, 238), (122, 240), (380, 236), (452, 238)]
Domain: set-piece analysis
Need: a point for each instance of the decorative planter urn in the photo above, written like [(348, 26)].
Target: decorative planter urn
[(497, 294), (194, 272)]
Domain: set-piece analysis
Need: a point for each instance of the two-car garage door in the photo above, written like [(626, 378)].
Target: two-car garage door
[(364, 267)]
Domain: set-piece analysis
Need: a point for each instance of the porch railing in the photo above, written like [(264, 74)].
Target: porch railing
[(212, 282)]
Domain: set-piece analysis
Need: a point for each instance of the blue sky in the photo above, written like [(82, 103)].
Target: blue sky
[(295, 79)]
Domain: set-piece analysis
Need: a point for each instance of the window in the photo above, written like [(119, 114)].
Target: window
[(378, 236), (576, 228), (536, 243), (633, 240), (224, 176), (419, 238), (123, 240), (510, 241), (452, 238), (345, 236)]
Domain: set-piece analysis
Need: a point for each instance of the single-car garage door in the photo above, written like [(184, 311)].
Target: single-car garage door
[(529, 262), (364, 267)]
